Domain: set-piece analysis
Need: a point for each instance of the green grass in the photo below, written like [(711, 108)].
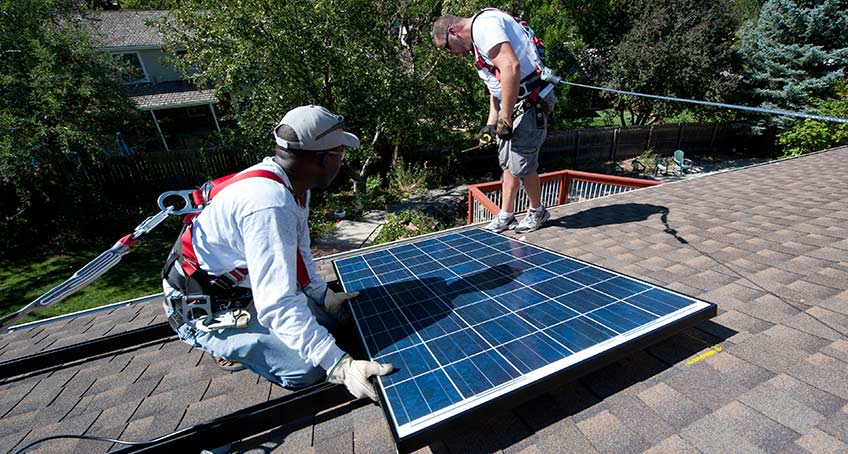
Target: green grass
[(137, 274)]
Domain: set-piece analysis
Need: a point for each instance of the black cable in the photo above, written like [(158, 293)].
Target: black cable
[(307, 392), (89, 437)]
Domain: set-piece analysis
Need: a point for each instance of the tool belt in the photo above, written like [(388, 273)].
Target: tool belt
[(542, 110), (188, 309)]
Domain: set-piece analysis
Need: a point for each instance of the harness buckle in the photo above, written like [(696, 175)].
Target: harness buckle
[(238, 318), (185, 195)]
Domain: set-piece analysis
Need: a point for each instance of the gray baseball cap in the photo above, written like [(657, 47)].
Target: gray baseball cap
[(316, 128)]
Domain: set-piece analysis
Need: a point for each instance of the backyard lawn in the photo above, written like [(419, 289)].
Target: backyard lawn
[(137, 274)]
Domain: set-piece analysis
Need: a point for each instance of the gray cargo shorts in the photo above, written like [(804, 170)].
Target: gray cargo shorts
[(520, 155)]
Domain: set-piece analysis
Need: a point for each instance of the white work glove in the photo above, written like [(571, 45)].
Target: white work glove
[(354, 375), (333, 302)]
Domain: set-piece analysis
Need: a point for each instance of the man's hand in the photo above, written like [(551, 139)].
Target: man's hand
[(354, 375), (486, 136), (333, 302), (504, 129)]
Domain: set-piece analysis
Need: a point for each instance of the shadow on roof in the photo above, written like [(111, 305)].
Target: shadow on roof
[(609, 214)]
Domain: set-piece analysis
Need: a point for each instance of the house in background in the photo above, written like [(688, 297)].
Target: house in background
[(184, 115)]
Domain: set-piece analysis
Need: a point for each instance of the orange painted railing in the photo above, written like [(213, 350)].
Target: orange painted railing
[(558, 188)]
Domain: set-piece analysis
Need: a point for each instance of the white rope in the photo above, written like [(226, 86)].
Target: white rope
[(717, 104)]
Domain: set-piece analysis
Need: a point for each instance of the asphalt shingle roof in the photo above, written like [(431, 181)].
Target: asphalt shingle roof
[(172, 93), (768, 244), (126, 28)]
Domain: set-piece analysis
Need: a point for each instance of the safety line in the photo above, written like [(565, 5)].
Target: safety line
[(788, 113)]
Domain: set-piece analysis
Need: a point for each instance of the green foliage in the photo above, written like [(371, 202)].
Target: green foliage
[(371, 61), (649, 159), (679, 48), (61, 104), (813, 135), (409, 179), (406, 224), (796, 50)]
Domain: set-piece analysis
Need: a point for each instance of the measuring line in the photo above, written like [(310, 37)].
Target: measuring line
[(788, 113), (713, 350)]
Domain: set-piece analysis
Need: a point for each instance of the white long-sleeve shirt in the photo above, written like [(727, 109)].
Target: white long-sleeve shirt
[(258, 224)]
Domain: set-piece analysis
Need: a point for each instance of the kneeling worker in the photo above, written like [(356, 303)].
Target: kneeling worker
[(244, 265)]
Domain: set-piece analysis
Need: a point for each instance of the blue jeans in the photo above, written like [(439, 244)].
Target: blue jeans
[(260, 350)]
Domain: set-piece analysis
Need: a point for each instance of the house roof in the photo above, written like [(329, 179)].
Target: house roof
[(178, 93), (126, 28), (768, 244)]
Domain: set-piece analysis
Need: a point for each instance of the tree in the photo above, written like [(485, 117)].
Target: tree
[(795, 51), (678, 48), (813, 135), (61, 105), (371, 61)]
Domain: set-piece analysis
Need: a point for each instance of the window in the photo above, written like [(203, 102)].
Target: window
[(131, 70)]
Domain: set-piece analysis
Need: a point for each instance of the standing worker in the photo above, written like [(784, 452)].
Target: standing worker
[(508, 59), (240, 283)]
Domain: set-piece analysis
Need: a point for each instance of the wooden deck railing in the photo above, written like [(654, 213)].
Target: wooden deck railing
[(558, 188)]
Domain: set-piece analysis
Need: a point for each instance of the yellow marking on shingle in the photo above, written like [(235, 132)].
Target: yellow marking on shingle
[(713, 350)]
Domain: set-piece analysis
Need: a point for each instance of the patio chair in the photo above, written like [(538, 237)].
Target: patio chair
[(661, 164), (681, 164), (638, 168)]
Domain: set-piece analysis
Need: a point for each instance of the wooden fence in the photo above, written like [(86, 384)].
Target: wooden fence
[(615, 144), (151, 173)]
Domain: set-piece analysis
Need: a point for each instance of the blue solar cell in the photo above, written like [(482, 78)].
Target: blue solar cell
[(504, 329), (408, 363), (564, 266), (454, 347), (454, 260), (585, 300), (519, 299), (469, 312), (556, 287), (532, 352), (579, 333), (621, 287), (480, 373), (482, 311), (468, 268), (590, 275), (547, 313), (621, 317), (534, 276), (658, 301)]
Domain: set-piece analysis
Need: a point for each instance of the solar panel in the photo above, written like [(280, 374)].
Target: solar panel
[(470, 316)]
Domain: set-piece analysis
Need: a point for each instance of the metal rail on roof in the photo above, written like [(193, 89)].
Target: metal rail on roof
[(83, 350), (250, 421)]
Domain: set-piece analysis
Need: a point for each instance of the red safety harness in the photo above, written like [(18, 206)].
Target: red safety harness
[(183, 250), (530, 85)]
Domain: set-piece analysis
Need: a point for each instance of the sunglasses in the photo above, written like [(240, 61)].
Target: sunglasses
[(447, 47), (340, 153)]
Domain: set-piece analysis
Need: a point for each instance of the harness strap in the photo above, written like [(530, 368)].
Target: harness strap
[(529, 86), (201, 198)]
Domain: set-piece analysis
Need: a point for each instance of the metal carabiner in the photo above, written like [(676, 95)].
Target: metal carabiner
[(186, 196)]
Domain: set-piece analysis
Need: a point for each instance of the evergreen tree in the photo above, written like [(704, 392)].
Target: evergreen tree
[(795, 51)]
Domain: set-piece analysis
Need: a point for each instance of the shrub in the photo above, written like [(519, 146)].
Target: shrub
[(409, 179), (648, 158), (406, 224), (814, 135)]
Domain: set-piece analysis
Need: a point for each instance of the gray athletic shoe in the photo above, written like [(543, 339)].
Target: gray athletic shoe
[(533, 220), (501, 222)]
